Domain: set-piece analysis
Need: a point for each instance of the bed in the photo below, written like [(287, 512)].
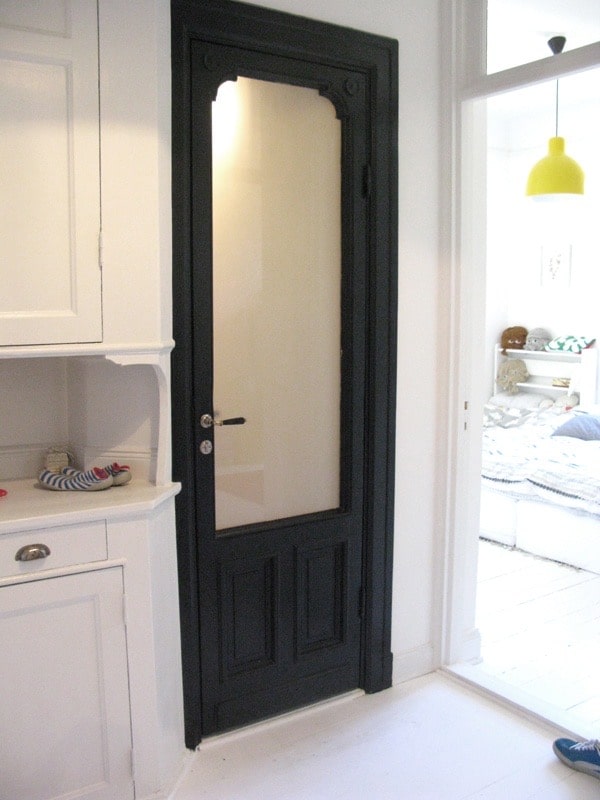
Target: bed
[(540, 487)]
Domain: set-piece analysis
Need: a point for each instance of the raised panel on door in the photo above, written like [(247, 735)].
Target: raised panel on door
[(321, 599), (64, 694), (50, 178), (248, 599)]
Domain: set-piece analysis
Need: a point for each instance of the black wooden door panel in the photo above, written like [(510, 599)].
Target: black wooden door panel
[(321, 597), (283, 587), (289, 611), (249, 603), (250, 609), (288, 619)]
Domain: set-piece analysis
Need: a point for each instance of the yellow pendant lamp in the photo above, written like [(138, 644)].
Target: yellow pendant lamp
[(556, 173)]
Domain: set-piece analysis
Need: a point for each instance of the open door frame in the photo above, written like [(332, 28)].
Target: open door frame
[(244, 25)]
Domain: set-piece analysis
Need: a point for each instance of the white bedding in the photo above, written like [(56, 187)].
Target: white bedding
[(520, 457)]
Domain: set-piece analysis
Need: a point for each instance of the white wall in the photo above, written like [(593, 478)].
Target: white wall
[(421, 363), (520, 231), (34, 413)]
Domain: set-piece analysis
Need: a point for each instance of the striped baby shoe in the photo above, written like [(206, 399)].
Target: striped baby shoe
[(90, 481), (120, 473)]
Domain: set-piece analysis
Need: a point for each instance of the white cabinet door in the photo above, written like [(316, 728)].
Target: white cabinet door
[(50, 177), (64, 696)]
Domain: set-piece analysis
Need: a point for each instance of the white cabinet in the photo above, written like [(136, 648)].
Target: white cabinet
[(64, 707), (68, 336), (90, 673), (50, 177)]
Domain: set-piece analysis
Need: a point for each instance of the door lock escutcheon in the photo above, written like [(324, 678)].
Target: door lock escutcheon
[(206, 447)]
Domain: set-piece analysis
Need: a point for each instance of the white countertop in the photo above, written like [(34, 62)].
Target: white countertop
[(28, 505)]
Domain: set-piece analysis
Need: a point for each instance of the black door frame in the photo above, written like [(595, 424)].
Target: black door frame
[(239, 24)]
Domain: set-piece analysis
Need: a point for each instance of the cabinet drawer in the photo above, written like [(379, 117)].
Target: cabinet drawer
[(67, 545)]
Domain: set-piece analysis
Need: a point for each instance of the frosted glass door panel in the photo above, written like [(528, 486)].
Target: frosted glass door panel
[(276, 301)]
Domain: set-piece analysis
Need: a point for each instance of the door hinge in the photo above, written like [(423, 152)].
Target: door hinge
[(362, 602), (367, 180)]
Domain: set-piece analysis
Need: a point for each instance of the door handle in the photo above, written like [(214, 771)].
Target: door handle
[(207, 421)]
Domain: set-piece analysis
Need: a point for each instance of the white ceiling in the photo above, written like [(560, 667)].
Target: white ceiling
[(518, 30)]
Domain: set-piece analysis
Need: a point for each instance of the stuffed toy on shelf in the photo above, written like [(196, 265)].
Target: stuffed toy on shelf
[(513, 338)]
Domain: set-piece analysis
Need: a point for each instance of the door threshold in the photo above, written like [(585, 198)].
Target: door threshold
[(518, 700), (271, 722)]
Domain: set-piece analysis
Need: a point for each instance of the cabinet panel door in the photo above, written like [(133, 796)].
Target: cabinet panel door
[(50, 178), (64, 695)]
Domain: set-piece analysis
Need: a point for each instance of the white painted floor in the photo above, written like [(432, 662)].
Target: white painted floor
[(540, 632), (428, 739)]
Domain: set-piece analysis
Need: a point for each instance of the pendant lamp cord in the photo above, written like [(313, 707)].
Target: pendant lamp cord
[(557, 44)]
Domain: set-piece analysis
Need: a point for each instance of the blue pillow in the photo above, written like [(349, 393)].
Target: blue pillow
[(583, 426)]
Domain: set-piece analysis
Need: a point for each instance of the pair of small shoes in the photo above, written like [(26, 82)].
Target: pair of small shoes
[(91, 480), (120, 473), (582, 756)]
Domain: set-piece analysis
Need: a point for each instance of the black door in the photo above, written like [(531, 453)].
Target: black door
[(275, 375)]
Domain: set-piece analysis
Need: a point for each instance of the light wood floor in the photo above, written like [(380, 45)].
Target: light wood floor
[(540, 628), (427, 739), (433, 738)]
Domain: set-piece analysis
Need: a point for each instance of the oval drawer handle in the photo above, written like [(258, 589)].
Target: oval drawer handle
[(32, 552)]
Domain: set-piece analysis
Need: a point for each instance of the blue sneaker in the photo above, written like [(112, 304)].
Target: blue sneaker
[(582, 756)]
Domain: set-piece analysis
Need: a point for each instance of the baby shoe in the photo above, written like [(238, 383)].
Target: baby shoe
[(120, 474), (90, 481)]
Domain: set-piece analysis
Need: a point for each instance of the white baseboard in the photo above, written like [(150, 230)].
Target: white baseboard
[(26, 461), (519, 700), (142, 463), (413, 663), (23, 461)]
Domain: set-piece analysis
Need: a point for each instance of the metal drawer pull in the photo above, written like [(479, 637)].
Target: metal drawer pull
[(32, 552)]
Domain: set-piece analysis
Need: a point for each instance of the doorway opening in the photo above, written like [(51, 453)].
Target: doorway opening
[(537, 607)]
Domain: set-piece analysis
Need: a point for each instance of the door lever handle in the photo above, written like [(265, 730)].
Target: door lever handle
[(207, 421)]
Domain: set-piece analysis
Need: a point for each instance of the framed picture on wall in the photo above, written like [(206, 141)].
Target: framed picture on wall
[(556, 266)]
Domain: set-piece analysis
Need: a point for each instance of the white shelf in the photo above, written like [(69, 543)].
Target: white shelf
[(27, 505), (543, 355), (146, 353), (544, 366), (547, 387)]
